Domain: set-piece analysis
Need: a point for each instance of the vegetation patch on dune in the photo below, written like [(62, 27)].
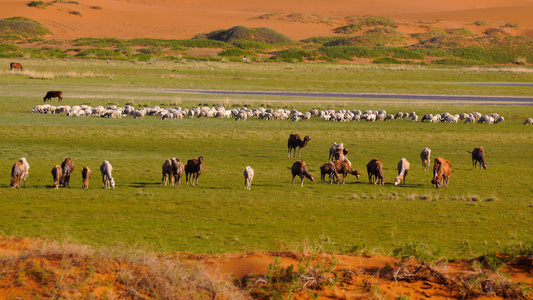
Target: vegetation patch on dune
[(21, 28)]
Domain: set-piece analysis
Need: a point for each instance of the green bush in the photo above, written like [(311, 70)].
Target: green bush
[(249, 45), (99, 42), (235, 52), (262, 34), (22, 28), (39, 4), (293, 55), (366, 22)]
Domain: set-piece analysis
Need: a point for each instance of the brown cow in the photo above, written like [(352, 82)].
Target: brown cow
[(86, 176), (344, 168), (15, 65), (375, 171), (478, 155), (295, 141), (193, 169), (53, 94), (442, 170), (67, 167), (328, 169), (57, 173), (299, 168), (17, 173)]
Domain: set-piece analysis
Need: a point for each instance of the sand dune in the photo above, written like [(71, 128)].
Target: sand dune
[(181, 19)]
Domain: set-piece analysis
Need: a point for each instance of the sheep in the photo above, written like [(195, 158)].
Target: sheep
[(248, 177), (528, 121)]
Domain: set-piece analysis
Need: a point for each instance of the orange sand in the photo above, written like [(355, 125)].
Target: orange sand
[(182, 19)]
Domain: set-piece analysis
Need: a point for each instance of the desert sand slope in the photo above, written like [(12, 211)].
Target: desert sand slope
[(181, 19)]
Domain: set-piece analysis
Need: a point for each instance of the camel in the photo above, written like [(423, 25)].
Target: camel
[(295, 141), (300, 169)]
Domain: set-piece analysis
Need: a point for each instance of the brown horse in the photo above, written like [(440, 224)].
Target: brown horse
[(15, 65)]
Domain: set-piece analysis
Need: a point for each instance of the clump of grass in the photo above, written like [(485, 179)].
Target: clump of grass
[(480, 23), (21, 28), (75, 12), (418, 251), (265, 16), (97, 7), (39, 4)]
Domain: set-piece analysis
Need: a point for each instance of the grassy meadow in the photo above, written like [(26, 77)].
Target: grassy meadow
[(480, 212)]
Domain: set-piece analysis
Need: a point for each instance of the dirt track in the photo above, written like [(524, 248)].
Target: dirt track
[(457, 99)]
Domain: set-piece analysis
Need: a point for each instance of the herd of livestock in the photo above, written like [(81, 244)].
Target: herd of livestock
[(338, 164), (261, 113)]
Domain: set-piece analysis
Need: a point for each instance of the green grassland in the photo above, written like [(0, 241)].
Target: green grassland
[(480, 212)]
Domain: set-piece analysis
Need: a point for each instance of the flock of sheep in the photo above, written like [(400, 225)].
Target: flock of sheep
[(262, 113)]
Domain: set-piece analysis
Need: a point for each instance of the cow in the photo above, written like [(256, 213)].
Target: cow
[(345, 168), (17, 173), (300, 169), (67, 167), (15, 65), (375, 172), (86, 176), (107, 177), (425, 155), (193, 169), (442, 170), (53, 94), (294, 142), (478, 155), (403, 169), (57, 173)]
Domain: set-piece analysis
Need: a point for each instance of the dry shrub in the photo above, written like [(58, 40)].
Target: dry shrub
[(62, 270)]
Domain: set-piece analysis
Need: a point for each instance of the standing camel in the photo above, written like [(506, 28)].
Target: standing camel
[(295, 141)]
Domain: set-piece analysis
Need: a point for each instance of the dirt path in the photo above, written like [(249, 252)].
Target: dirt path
[(453, 99)]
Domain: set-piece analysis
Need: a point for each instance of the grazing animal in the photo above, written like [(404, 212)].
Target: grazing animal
[(26, 166), (442, 170), (295, 141), (107, 178), (57, 173), (15, 65), (299, 168), (425, 155), (167, 170), (345, 168), (53, 94), (67, 167), (248, 177), (375, 171), (334, 149), (403, 169), (478, 155), (193, 169), (17, 172), (328, 169), (177, 170), (86, 176), (528, 121)]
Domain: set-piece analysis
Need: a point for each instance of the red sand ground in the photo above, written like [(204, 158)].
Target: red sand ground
[(360, 277), (183, 19)]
